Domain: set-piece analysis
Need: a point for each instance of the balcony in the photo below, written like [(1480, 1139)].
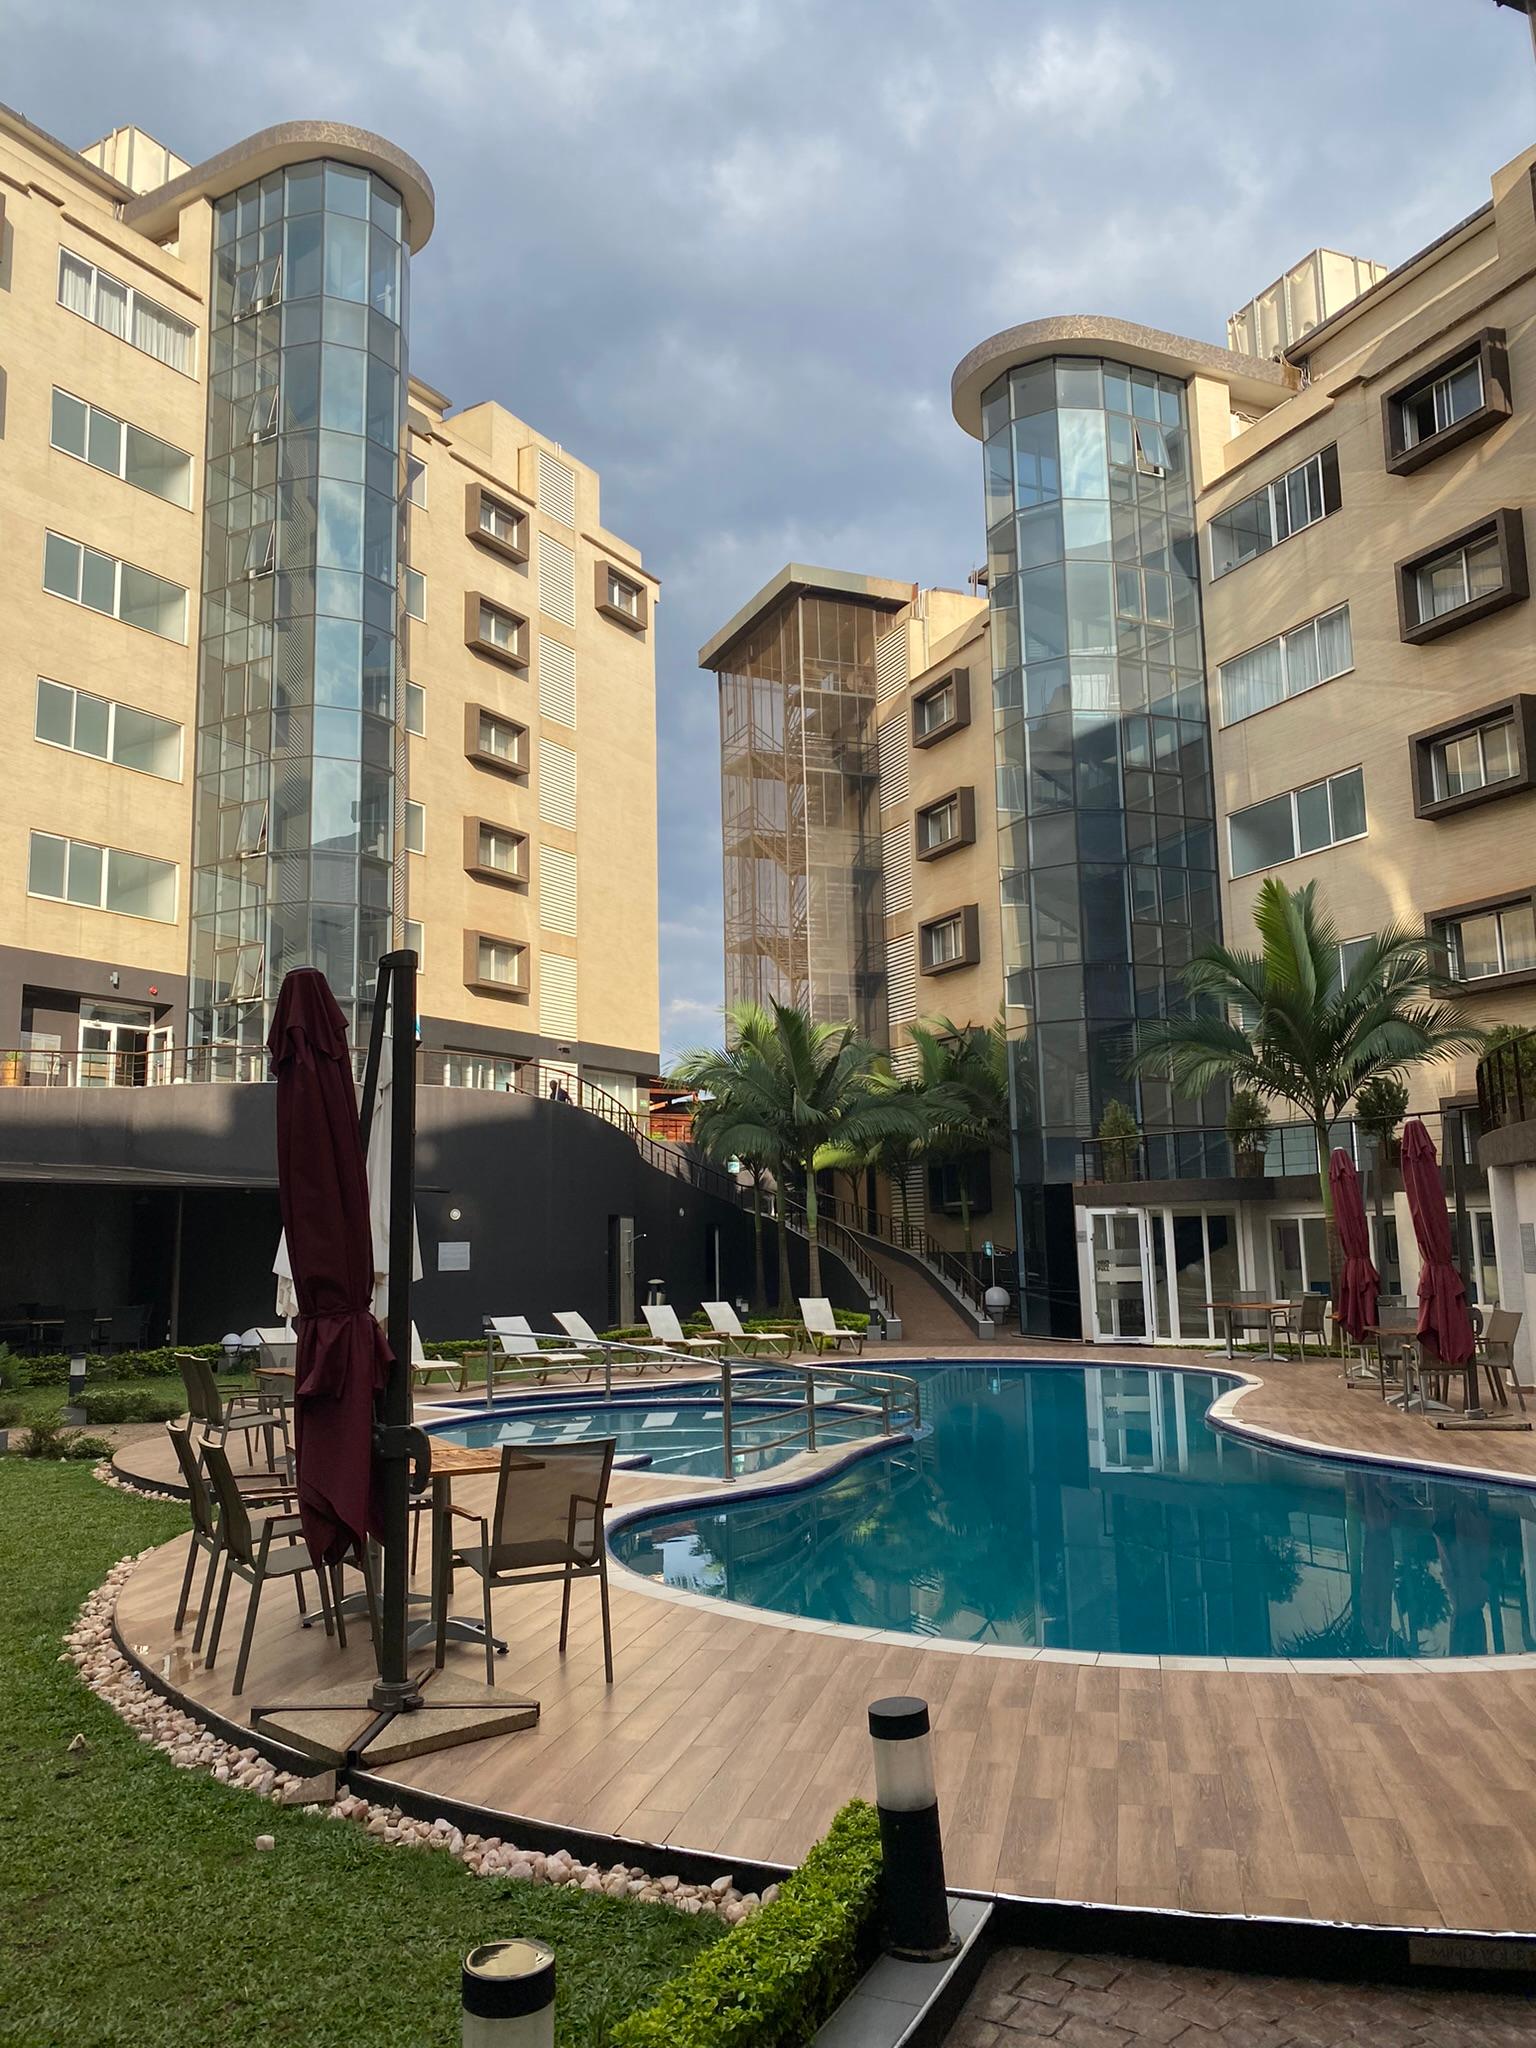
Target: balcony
[(1506, 1101), (1204, 1153)]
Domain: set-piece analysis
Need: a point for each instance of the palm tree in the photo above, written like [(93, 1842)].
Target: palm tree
[(1280, 1022), (963, 1075)]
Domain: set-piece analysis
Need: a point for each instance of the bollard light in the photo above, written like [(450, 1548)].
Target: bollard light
[(76, 1379), (508, 1995), (912, 1889)]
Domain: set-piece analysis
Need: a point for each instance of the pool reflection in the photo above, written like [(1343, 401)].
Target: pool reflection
[(1095, 1509)]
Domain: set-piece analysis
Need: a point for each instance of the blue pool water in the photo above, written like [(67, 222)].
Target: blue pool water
[(680, 1437), (1095, 1509)]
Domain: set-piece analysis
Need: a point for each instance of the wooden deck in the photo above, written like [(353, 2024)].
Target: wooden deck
[(1407, 1797)]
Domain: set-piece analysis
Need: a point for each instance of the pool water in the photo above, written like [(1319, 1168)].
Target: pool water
[(1094, 1509), (682, 1436)]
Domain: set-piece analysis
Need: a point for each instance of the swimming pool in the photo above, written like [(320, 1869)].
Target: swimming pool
[(1096, 1509), (680, 1437)]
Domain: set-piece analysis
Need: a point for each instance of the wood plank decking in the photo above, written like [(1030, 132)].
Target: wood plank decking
[(1402, 1798)]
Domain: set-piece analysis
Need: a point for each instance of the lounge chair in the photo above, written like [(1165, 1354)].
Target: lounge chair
[(821, 1326), (725, 1322), (548, 1524), (661, 1320), (581, 1332), (422, 1367), (512, 1337)]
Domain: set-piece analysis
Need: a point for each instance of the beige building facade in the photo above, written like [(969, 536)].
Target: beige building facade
[(296, 663)]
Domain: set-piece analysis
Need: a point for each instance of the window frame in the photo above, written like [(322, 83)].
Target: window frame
[(514, 877), (1436, 922), (415, 473), (1329, 497), (1518, 711), (407, 572), (1281, 640), (516, 989), (1506, 528), (514, 765), (1298, 852), (476, 498), (133, 295), (967, 917), (118, 566), (608, 573), (958, 679), (476, 602), (114, 705), (413, 805), (415, 693), (124, 427), (1489, 350), (963, 799), (106, 853)]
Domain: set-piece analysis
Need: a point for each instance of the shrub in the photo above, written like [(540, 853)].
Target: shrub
[(47, 1438), (1380, 1107), (52, 1369), (130, 1404), (1248, 1121), (12, 1413), (773, 1980), (1119, 1141)]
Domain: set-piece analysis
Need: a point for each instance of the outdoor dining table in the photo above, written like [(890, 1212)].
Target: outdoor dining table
[(1470, 1404), (1272, 1310)]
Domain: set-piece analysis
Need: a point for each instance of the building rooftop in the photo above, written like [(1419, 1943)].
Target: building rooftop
[(796, 579)]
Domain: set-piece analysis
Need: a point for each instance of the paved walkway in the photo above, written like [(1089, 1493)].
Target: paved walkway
[(1028, 1994)]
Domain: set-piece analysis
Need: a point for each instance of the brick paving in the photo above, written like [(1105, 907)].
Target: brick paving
[(1027, 1995)]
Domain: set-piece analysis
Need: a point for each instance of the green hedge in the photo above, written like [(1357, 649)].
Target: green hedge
[(53, 1369), (130, 1404), (775, 1978)]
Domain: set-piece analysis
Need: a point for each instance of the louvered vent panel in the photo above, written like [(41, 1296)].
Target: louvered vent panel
[(890, 664), (901, 981), (893, 758), (557, 997), (896, 866), (557, 580), (557, 681), (557, 489), (557, 784), (557, 890)]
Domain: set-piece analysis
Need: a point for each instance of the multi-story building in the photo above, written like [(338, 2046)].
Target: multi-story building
[(295, 664), (1255, 609)]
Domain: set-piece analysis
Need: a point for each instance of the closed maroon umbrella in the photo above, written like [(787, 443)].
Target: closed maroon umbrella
[(1443, 1318), (343, 1358), (1359, 1283)]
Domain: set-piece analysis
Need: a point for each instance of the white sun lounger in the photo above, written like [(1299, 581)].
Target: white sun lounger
[(512, 1337), (581, 1332), (821, 1326), (725, 1322), (661, 1320)]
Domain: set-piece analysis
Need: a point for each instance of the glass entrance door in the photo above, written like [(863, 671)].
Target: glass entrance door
[(1122, 1277), (115, 1045)]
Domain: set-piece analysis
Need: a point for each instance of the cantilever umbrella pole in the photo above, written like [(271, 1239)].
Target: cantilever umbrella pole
[(396, 1688)]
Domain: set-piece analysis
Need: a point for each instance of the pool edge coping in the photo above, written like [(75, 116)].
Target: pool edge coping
[(1221, 1415)]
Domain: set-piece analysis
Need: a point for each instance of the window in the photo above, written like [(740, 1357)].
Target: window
[(949, 941), (1351, 952), (1465, 577), (127, 313), (947, 823), (415, 594), (103, 584), (491, 629), (415, 827), (1152, 457), (943, 707), (262, 424), (108, 731), (416, 480), (621, 598), (499, 740), (624, 597), (497, 524), (1487, 754), (413, 939), (1462, 395), (1301, 821), (108, 443), (415, 709), (498, 849), (1258, 523), (102, 878), (249, 828), (1286, 666), (257, 286), (1497, 940), (238, 975), (499, 961)]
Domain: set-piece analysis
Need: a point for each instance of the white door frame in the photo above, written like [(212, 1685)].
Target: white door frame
[(1144, 1239)]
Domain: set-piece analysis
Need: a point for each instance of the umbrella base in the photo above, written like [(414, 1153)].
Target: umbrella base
[(342, 1733)]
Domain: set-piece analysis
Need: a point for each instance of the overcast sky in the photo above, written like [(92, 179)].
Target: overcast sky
[(729, 252)]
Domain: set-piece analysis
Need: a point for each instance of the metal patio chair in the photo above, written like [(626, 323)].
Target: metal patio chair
[(246, 1544), (1496, 1348)]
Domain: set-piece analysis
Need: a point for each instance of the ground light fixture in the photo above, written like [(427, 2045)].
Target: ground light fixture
[(913, 1897), (508, 1995)]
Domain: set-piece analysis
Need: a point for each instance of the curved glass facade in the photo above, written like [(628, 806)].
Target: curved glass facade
[(1105, 803), (297, 835)]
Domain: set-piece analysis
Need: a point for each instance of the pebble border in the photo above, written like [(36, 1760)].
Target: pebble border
[(191, 1746)]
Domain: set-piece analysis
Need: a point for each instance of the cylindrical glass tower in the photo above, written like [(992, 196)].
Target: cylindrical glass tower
[(297, 823), (1105, 803)]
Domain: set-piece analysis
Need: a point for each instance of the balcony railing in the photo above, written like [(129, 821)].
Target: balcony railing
[(1506, 1082), (1205, 1152)]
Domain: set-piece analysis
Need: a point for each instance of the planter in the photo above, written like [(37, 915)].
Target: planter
[(10, 1070), (1249, 1165)]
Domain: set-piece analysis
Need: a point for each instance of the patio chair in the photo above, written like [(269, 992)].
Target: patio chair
[(205, 1525), (128, 1328), (822, 1327), (547, 1525), (78, 1331), (512, 1337), (661, 1320), (725, 1322), (239, 1414), (246, 1544), (636, 1356), (1496, 1348), (1396, 1343), (1306, 1316)]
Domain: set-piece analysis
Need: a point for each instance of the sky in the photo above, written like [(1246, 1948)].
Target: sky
[(729, 251)]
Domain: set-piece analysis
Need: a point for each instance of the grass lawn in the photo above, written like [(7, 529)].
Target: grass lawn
[(49, 1400), (135, 1909)]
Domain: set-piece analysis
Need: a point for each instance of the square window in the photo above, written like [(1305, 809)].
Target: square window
[(55, 720), (1262, 836)]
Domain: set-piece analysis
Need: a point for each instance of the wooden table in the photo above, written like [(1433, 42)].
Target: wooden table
[(1272, 1310)]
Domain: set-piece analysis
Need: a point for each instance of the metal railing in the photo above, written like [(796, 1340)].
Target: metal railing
[(1506, 1082), (1205, 1152), (950, 1268)]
